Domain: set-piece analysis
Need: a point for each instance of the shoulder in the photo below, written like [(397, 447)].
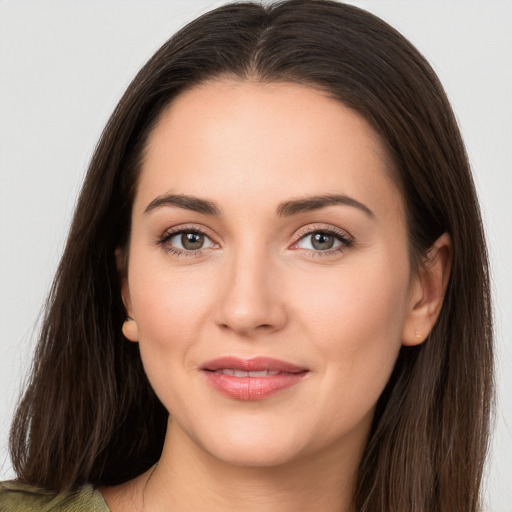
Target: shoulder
[(16, 497)]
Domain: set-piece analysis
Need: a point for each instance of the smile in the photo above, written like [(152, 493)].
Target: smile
[(240, 373), (251, 379)]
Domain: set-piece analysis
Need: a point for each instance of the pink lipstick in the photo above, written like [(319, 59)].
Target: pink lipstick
[(251, 379)]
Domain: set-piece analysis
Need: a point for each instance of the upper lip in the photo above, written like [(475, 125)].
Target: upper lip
[(253, 364)]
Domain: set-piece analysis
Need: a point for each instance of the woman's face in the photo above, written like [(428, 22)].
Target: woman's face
[(268, 278)]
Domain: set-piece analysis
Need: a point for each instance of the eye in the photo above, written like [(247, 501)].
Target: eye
[(186, 241), (319, 241), (189, 240), (323, 241)]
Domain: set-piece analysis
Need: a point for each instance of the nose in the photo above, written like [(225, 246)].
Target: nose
[(251, 299)]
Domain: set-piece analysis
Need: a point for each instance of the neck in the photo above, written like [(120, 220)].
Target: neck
[(189, 478)]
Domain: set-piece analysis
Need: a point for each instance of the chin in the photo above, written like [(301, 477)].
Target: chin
[(253, 455), (253, 445)]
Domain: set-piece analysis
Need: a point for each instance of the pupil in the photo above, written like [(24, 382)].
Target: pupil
[(192, 241), (322, 241)]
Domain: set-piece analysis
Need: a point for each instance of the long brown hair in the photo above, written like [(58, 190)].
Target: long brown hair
[(89, 414)]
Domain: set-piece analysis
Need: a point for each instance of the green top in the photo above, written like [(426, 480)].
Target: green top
[(15, 497)]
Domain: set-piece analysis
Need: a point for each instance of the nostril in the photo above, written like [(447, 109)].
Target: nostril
[(261, 326)]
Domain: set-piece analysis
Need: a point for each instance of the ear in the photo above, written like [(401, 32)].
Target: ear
[(427, 292), (130, 328)]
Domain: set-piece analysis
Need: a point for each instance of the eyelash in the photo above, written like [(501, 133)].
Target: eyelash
[(346, 241), (164, 240)]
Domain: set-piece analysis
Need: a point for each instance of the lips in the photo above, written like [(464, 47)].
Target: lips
[(251, 379)]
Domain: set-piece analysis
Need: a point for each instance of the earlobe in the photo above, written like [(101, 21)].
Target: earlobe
[(130, 329), (427, 292)]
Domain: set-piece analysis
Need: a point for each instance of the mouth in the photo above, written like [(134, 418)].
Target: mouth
[(252, 379), (241, 373)]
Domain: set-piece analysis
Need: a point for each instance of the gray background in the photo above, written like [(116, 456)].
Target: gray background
[(64, 65)]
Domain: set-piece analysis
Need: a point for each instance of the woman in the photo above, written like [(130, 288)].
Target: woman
[(274, 294)]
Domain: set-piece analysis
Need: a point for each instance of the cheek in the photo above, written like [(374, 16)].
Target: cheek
[(365, 299), (356, 318), (172, 305), (168, 303), (168, 308)]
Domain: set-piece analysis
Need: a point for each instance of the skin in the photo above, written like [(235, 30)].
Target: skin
[(259, 287)]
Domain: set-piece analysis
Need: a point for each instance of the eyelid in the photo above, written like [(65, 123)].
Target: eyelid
[(163, 239), (324, 228), (346, 239), (196, 228)]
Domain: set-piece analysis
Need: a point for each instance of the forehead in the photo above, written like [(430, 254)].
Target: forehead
[(249, 140)]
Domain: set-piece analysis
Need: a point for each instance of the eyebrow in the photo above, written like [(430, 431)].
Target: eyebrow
[(312, 203), (183, 201), (285, 209)]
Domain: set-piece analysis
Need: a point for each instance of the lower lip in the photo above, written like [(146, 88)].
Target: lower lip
[(252, 388)]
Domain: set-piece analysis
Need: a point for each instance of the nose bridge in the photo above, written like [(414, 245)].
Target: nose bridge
[(250, 299)]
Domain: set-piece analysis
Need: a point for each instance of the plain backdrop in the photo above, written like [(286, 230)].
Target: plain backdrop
[(63, 66)]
